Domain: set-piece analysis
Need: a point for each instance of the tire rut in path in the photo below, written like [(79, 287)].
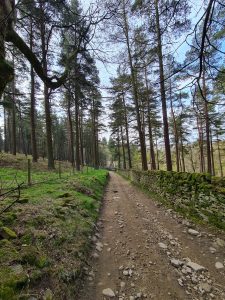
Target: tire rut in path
[(135, 244)]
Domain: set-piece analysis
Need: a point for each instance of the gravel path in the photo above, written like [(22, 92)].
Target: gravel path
[(145, 251)]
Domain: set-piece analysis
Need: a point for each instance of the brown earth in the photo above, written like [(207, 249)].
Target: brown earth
[(136, 240)]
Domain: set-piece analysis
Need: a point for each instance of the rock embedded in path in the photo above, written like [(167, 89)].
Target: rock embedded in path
[(162, 246), (193, 232), (219, 265), (125, 273), (205, 287), (108, 292), (195, 267), (139, 295), (176, 262), (212, 250), (99, 246)]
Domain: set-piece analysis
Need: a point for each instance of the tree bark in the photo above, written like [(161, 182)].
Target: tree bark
[(127, 132), (6, 135), (14, 117), (32, 103), (207, 124), (48, 119), (182, 153), (163, 93), (135, 94), (118, 150), (71, 136), (81, 136), (77, 131), (123, 148), (151, 143), (219, 155), (200, 143), (6, 70), (176, 137), (212, 154)]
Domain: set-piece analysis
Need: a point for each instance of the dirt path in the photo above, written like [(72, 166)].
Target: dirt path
[(144, 251)]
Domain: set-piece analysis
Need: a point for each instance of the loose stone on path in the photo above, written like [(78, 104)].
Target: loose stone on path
[(108, 292)]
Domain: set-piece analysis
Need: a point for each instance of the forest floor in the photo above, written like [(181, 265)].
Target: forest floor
[(143, 250)]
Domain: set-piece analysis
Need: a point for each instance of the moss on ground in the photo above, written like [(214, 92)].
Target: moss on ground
[(52, 225)]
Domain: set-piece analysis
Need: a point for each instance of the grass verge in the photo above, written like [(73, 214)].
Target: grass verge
[(45, 238)]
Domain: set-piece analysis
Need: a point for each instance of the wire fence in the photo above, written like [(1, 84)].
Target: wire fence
[(12, 181)]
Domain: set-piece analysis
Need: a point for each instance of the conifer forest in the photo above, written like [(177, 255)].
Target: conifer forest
[(112, 149)]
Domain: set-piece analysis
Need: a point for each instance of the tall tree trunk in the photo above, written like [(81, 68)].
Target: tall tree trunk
[(48, 119), (95, 135), (81, 136), (22, 139), (32, 103), (118, 150), (33, 117), (135, 94), (127, 132), (176, 137), (6, 70), (219, 155), (157, 153), (200, 143), (212, 154), (13, 112), (14, 121), (163, 93), (207, 124), (182, 153), (6, 135), (151, 143), (9, 130), (71, 136), (192, 161), (48, 122), (77, 143), (123, 148), (97, 145)]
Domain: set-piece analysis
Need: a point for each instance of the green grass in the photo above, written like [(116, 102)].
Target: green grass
[(53, 224)]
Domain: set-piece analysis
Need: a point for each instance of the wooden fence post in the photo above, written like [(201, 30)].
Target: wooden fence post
[(60, 171), (29, 172)]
